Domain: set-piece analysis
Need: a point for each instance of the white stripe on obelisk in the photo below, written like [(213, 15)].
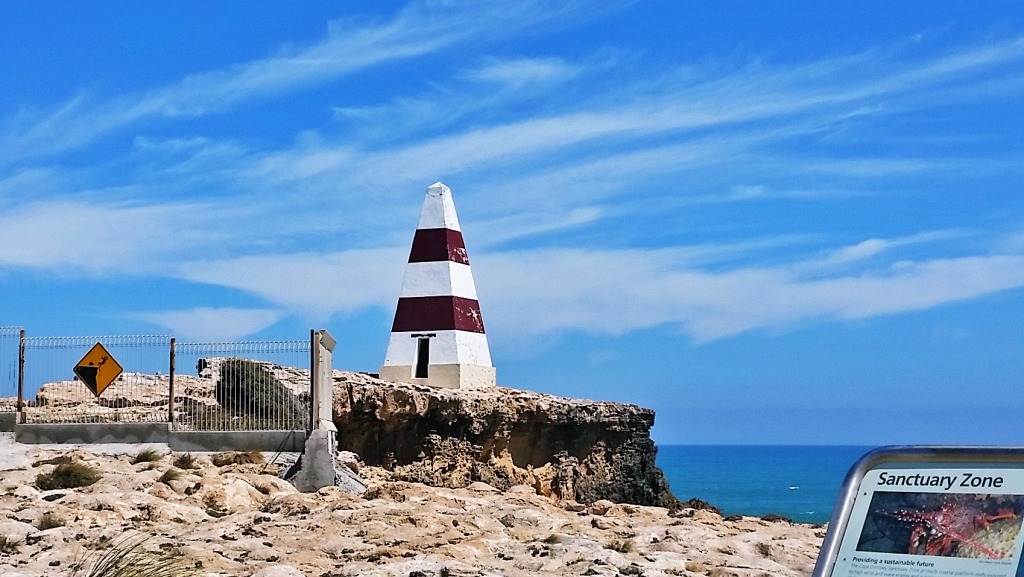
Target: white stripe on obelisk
[(425, 279)]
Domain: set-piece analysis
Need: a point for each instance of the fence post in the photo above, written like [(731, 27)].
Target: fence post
[(313, 354), (170, 387), (21, 376), (318, 468), (322, 398)]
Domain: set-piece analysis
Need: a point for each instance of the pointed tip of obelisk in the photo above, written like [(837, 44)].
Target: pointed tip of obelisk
[(438, 209)]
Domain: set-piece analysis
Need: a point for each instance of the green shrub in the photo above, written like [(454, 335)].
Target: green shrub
[(68, 476), (247, 387)]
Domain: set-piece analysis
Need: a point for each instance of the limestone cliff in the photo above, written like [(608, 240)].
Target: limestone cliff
[(571, 449)]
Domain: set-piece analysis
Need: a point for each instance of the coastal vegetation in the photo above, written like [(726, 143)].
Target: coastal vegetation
[(248, 387), (129, 558), (238, 458), (8, 546), (49, 520), (147, 456), (171, 474), (68, 476)]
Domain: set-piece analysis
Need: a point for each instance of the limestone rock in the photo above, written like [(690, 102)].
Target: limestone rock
[(15, 530), (350, 460), (570, 449), (235, 520), (278, 571)]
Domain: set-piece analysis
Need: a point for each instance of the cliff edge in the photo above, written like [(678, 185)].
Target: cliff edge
[(569, 449)]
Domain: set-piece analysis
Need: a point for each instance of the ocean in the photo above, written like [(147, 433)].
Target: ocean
[(799, 482)]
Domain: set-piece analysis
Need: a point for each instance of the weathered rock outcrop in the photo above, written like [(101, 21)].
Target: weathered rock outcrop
[(571, 449)]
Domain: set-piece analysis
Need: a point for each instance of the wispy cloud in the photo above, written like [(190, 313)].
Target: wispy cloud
[(96, 237), (518, 73), (212, 324), (634, 152), (545, 292), (548, 292), (418, 29), (526, 224), (664, 125), (316, 285), (874, 247)]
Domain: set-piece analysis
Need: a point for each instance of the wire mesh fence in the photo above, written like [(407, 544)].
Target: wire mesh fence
[(236, 386), (54, 393), (10, 343), (242, 386)]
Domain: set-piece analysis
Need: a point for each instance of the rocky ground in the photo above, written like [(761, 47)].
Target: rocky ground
[(243, 520), (566, 448)]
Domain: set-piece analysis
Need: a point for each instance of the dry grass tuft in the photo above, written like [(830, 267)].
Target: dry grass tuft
[(171, 474), (147, 456), (621, 545), (128, 558), (59, 460), (49, 520), (68, 476), (247, 458), (213, 508), (185, 461), (8, 546)]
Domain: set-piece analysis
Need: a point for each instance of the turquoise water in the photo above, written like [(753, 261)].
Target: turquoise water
[(799, 482)]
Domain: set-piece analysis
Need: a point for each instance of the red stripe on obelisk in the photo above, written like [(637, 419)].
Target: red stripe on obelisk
[(438, 313), (437, 245)]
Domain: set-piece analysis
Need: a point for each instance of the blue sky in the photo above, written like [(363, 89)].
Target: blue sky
[(792, 222)]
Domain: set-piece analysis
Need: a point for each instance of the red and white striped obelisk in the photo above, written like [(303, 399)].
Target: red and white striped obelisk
[(438, 335)]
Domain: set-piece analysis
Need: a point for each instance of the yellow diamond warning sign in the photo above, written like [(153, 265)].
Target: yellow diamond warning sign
[(97, 369)]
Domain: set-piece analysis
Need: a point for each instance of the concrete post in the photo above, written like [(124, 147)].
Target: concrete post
[(318, 467), (323, 382)]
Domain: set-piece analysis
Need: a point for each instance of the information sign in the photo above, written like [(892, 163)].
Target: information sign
[(97, 369), (928, 512)]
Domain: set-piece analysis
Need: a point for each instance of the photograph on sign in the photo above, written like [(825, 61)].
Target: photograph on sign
[(929, 518), (961, 525)]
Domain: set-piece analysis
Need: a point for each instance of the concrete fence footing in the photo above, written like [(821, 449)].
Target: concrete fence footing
[(8, 420), (269, 441), (150, 433)]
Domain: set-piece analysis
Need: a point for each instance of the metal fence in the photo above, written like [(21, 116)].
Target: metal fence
[(10, 343), (242, 386), (55, 394)]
